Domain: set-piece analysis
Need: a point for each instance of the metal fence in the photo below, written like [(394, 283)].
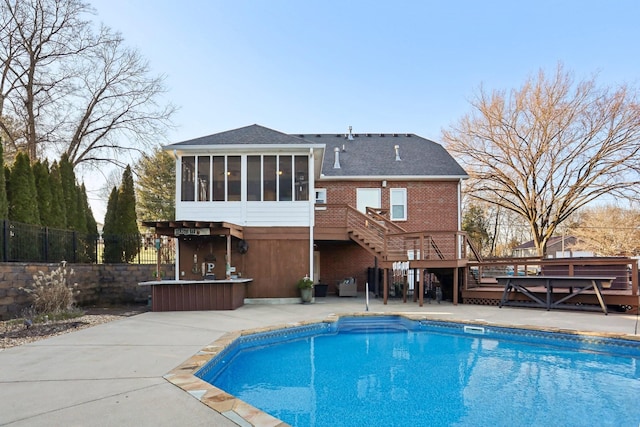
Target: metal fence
[(21, 242)]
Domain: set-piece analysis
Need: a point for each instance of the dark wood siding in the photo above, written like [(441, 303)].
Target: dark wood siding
[(277, 258), (196, 296)]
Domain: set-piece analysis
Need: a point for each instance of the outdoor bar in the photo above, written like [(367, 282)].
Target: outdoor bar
[(195, 285), (193, 295)]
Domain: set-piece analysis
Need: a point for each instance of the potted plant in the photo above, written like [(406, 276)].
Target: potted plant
[(306, 289)]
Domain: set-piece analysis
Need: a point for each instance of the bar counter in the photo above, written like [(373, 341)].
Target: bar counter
[(197, 295)]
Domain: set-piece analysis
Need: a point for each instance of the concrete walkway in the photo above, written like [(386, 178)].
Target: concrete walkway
[(112, 374)]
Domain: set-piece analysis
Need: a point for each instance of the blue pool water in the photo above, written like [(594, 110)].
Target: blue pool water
[(388, 371)]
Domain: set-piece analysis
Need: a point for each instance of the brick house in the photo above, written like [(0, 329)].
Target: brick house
[(255, 202)]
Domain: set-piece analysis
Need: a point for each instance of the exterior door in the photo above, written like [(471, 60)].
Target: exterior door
[(368, 197)]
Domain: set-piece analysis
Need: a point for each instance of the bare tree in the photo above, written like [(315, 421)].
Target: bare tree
[(505, 229), (508, 230), (607, 231), (73, 90), (550, 148)]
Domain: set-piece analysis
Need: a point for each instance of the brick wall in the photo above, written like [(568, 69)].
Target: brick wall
[(431, 205), (339, 260), (101, 284)]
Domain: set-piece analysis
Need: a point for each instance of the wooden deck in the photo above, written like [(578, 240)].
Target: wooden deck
[(618, 300), (481, 286), (473, 279)]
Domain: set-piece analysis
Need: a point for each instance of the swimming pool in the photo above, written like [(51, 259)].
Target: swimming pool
[(389, 370)]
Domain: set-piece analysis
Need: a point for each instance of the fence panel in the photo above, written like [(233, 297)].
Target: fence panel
[(32, 243)]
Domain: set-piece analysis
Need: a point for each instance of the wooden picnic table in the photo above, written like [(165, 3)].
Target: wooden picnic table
[(575, 284)]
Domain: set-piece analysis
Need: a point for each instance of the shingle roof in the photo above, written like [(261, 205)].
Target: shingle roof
[(248, 135), (364, 155), (375, 155)]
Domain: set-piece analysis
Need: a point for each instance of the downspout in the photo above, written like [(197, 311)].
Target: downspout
[(456, 287), (459, 204), (178, 195), (459, 255), (312, 219)]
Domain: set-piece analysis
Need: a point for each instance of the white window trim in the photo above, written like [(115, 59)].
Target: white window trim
[(403, 192)]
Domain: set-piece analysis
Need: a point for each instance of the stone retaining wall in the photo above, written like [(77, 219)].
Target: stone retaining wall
[(99, 284)]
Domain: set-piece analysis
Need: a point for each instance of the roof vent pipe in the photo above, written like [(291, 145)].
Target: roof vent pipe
[(336, 163), (350, 136), (397, 148)]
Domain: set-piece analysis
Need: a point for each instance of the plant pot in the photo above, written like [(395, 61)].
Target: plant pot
[(320, 290), (306, 294)]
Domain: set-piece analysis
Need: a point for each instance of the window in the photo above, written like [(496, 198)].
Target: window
[(269, 175), (398, 200), (234, 178), (301, 164), (285, 178), (188, 179), (254, 180), (226, 178), (219, 174), (321, 195), (268, 178), (203, 177)]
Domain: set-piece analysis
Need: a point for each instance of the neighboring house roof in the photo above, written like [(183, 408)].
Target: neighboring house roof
[(551, 243), (363, 155)]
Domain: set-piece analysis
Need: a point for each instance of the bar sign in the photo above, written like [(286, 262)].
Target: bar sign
[(192, 232)]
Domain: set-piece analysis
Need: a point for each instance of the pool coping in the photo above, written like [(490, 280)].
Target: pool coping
[(243, 414)]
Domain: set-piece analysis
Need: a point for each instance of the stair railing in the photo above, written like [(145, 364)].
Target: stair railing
[(389, 241), (371, 231)]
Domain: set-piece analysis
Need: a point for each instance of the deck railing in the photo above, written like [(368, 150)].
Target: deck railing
[(625, 270), (371, 231), (427, 245), (389, 240)]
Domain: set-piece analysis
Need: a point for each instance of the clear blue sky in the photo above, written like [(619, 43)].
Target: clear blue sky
[(303, 66)]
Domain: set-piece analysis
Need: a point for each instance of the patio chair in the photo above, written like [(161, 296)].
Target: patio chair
[(347, 287)]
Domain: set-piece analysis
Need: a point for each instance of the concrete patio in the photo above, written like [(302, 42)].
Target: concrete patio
[(112, 374)]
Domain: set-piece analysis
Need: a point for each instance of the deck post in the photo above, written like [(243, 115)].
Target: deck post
[(634, 279), (385, 286), (455, 286), (421, 287), (405, 285), (228, 258)]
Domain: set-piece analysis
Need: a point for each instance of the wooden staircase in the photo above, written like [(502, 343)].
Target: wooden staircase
[(390, 242), (370, 230), (443, 253)]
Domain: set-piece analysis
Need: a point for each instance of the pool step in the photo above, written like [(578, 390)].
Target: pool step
[(372, 324)]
